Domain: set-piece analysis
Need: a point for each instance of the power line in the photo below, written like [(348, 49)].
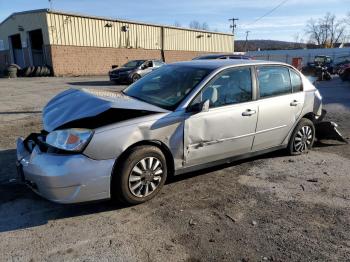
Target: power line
[(270, 12)]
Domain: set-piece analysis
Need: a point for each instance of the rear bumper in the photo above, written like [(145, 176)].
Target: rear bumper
[(64, 178)]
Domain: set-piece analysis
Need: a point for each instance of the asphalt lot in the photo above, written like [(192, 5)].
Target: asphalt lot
[(260, 209)]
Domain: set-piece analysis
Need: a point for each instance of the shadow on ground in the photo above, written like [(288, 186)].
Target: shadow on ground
[(92, 83), (20, 208), (20, 112)]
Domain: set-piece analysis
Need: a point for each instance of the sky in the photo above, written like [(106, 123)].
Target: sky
[(285, 23)]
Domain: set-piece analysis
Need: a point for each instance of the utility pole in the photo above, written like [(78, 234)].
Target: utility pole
[(246, 41), (233, 27), (51, 3)]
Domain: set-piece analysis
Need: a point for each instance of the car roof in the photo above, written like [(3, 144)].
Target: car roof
[(216, 64)]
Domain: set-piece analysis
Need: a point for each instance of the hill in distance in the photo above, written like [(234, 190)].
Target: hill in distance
[(255, 45)]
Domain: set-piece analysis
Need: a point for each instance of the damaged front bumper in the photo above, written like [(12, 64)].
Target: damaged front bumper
[(328, 130), (62, 178)]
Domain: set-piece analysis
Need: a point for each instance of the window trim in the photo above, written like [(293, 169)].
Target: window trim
[(301, 80), (254, 86), (272, 65)]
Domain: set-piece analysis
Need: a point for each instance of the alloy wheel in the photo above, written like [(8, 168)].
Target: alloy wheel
[(145, 176), (303, 139)]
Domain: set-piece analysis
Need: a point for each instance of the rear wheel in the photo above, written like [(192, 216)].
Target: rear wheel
[(140, 176), (302, 138), (135, 77)]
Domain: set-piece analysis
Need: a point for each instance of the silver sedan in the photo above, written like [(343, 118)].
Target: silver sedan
[(180, 118)]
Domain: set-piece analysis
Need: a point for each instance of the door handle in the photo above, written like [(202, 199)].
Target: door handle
[(249, 112), (295, 103)]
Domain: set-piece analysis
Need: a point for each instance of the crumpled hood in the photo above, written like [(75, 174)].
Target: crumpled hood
[(74, 104)]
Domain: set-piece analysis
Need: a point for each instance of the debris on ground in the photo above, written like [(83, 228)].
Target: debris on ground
[(312, 180)]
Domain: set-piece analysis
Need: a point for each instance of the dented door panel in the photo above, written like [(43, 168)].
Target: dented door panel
[(220, 133)]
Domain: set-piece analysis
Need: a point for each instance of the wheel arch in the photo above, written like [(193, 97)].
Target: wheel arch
[(311, 116), (163, 147)]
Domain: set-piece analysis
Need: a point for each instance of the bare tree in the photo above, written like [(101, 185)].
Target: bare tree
[(326, 31), (197, 25), (177, 24), (347, 19), (205, 26)]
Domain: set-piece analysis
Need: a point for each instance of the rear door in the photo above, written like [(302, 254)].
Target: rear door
[(280, 104)]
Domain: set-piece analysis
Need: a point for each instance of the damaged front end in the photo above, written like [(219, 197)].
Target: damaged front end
[(88, 108), (327, 130)]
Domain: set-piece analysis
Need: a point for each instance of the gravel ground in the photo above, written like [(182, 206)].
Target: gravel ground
[(270, 208)]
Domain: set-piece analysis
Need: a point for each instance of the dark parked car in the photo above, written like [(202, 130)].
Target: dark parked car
[(344, 73), (320, 61), (222, 56), (134, 70)]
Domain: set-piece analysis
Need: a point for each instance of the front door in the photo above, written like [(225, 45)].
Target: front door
[(228, 128), (281, 103), (148, 68)]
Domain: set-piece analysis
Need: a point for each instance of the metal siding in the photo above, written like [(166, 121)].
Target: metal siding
[(30, 21), (92, 32), (60, 29)]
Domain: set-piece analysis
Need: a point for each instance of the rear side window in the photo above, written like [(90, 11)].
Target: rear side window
[(274, 81), (297, 84)]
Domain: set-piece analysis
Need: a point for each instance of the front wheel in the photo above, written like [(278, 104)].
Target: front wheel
[(140, 176), (302, 138)]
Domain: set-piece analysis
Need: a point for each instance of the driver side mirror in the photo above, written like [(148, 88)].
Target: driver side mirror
[(143, 67), (199, 107)]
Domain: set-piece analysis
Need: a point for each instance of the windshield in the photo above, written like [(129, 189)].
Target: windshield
[(167, 86), (322, 59), (134, 63), (206, 57)]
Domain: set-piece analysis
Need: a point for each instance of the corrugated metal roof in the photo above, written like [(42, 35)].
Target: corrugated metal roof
[(109, 19)]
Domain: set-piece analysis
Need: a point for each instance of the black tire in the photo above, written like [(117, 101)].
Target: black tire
[(122, 184), (44, 71), (50, 71), (302, 136), (27, 71), (12, 72), (16, 66), (37, 71), (135, 77), (31, 72)]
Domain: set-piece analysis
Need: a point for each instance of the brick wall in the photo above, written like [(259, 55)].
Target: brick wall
[(176, 56), (75, 60)]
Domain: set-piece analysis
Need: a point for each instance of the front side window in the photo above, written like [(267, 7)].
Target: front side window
[(273, 81), (297, 84), (229, 87), (134, 63), (158, 63), (167, 86)]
